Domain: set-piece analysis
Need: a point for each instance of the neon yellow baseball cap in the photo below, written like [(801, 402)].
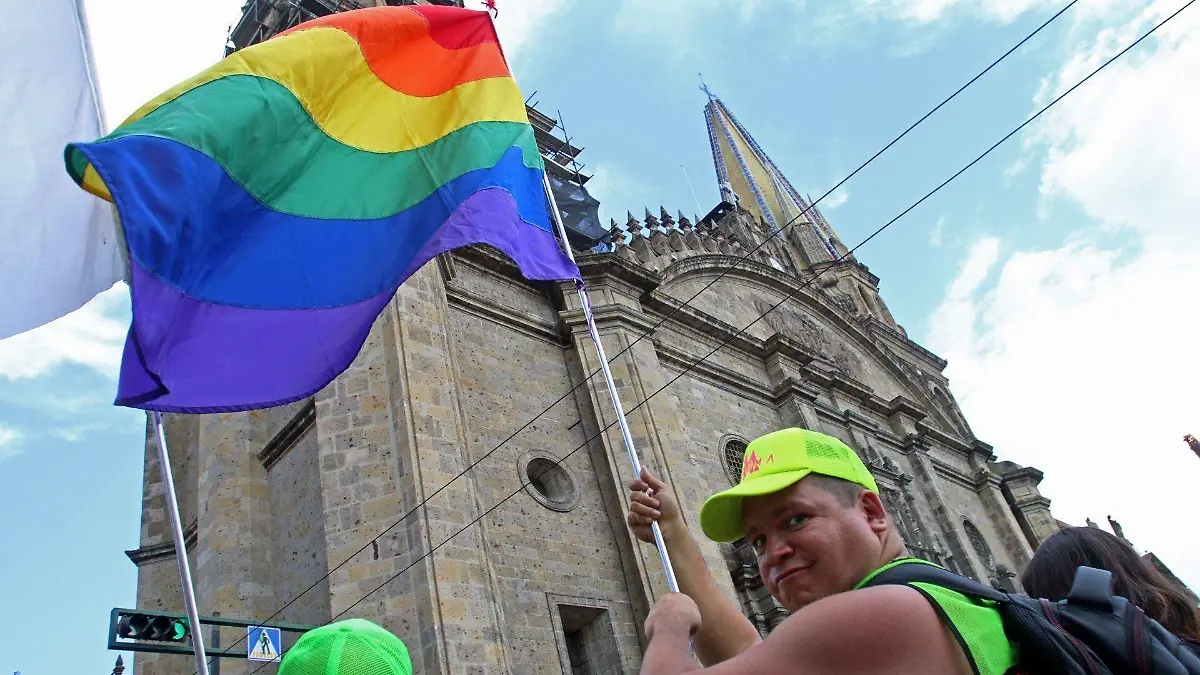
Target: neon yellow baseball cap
[(773, 462)]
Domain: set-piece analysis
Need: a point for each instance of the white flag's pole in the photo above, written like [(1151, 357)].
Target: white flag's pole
[(185, 575), (608, 378)]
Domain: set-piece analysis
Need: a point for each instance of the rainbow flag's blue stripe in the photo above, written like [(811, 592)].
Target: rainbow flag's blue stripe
[(273, 204)]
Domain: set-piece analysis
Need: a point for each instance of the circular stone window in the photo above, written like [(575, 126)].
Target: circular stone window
[(548, 481)]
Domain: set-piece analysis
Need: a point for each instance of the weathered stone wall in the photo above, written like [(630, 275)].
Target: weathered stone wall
[(159, 589), (538, 549), (967, 506), (298, 534), (712, 415)]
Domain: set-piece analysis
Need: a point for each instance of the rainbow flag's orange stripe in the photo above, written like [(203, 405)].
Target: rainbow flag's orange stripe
[(314, 173)]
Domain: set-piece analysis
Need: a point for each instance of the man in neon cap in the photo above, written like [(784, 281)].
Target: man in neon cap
[(811, 512)]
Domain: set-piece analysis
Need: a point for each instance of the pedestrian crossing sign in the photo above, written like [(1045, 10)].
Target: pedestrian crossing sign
[(263, 644)]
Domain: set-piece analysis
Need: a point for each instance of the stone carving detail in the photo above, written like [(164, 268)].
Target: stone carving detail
[(982, 550), (799, 325), (901, 504), (844, 302), (758, 606)]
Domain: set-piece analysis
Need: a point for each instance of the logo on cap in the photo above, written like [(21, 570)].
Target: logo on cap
[(752, 463)]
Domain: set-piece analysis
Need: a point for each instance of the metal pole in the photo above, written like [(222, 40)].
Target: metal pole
[(185, 576), (216, 642), (608, 378)]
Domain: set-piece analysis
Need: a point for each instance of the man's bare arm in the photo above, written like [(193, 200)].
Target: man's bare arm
[(888, 629), (724, 633)]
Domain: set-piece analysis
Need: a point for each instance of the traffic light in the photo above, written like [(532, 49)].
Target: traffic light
[(161, 628)]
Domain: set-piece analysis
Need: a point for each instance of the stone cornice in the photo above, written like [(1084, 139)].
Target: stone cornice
[(851, 266), (793, 387), (855, 389), (487, 258), (984, 479), (952, 474), (593, 265), (720, 376), (983, 449), (786, 346), (701, 321), (608, 316), (954, 443), (522, 322), (867, 271), (288, 436), (888, 334), (904, 406), (1032, 501), (857, 420), (728, 265), (1012, 475), (156, 552)]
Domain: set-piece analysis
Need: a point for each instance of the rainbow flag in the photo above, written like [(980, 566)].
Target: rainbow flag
[(273, 204)]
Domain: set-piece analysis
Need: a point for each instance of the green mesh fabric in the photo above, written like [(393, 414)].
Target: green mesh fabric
[(979, 626), (976, 623), (350, 647)]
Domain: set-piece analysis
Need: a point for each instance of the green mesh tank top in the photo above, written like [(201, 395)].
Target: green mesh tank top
[(976, 624)]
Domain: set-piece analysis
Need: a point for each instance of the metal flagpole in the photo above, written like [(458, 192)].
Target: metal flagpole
[(185, 575), (608, 378)]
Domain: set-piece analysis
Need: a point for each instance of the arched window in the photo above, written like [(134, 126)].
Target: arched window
[(732, 454), (981, 547)]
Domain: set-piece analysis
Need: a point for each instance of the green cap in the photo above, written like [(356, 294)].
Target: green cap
[(350, 647), (773, 462)]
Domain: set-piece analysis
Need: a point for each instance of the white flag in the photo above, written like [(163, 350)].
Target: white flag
[(58, 244)]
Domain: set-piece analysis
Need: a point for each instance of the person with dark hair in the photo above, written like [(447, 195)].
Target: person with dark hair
[(1052, 570)]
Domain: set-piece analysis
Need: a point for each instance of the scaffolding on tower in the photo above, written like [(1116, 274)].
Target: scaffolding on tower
[(263, 19)]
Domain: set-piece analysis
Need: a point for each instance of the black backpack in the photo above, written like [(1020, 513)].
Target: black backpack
[(1092, 632)]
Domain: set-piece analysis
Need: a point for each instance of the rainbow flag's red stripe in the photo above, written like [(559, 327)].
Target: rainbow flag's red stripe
[(273, 203)]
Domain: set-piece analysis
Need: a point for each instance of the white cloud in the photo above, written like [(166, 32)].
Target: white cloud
[(91, 336), (141, 51), (684, 27), (926, 11), (1015, 168), (10, 442), (1082, 360), (619, 192), (835, 200), (1124, 146), (953, 322), (937, 233), (519, 21)]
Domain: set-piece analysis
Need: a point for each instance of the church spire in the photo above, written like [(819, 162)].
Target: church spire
[(748, 178)]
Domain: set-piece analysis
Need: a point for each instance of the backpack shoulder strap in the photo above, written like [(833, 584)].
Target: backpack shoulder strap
[(907, 573)]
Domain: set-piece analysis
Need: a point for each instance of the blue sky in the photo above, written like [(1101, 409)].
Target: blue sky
[(1059, 276)]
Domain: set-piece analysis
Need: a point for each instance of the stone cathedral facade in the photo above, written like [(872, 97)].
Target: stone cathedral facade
[(351, 503)]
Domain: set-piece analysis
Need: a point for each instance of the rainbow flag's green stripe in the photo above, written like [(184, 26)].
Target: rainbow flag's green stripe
[(338, 181)]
